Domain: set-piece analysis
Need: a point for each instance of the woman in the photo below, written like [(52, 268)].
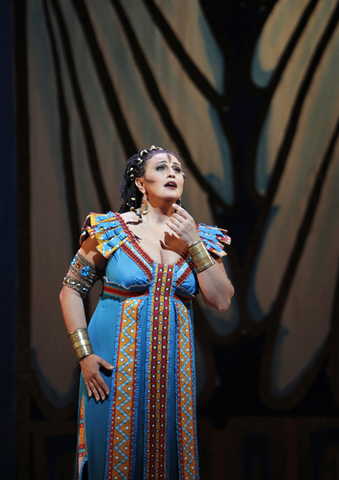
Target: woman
[(137, 390)]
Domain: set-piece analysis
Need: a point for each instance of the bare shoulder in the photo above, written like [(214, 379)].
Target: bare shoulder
[(128, 216)]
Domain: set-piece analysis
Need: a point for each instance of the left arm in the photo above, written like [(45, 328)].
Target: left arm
[(215, 286)]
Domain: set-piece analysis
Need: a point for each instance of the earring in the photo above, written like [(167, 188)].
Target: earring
[(144, 205), (179, 202)]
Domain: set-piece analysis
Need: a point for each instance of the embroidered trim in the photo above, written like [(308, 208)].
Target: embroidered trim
[(82, 449), (142, 252), (187, 433), (146, 269), (121, 439), (157, 378), (120, 292), (188, 269), (133, 241)]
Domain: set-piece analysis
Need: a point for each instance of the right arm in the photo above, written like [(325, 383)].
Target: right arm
[(74, 316)]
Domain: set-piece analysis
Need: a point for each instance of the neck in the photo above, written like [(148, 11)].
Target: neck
[(159, 214)]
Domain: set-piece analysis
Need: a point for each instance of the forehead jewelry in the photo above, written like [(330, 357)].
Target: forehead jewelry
[(141, 158)]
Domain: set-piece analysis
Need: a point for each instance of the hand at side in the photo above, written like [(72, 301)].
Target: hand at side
[(90, 367)]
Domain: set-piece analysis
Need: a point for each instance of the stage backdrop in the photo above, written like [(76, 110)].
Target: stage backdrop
[(248, 93)]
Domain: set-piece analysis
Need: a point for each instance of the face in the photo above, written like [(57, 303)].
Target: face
[(163, 178)]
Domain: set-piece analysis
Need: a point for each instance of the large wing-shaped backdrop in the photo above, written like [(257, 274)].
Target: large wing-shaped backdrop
[(248, 93)]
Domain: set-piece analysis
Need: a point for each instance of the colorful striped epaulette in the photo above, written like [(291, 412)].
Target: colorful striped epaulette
[(214, 238), (107, 230)]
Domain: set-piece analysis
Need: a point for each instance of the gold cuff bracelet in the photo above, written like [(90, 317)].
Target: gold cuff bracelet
[(81, 343), (200, 256)]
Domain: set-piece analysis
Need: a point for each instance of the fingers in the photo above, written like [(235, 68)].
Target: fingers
[(94, 391), (176, 220), (182, 223), (105, 364), (174, 225), (95, 384), (180, 216), (97, 387), (180, 211), (89, 391)]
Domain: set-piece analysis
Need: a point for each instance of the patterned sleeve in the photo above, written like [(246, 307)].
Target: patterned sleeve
[(107, 230), (214, 239)]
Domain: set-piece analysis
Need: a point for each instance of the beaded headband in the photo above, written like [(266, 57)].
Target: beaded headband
[(141, 158)]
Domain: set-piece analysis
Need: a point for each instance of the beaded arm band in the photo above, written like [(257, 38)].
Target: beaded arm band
[(81, 343), (84, 275), (200, 256)]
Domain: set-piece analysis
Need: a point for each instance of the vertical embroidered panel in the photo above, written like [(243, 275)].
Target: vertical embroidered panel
[(188, 455), (124, 395), (158, 374), (82, 450)]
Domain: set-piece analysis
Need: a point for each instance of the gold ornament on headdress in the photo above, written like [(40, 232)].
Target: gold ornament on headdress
[(145, 151)]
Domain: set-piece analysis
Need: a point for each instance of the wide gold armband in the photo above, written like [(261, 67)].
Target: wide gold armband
[(81, 343), (200, 256)]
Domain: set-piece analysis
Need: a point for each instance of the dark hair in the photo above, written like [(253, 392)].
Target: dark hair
[(135, 168)]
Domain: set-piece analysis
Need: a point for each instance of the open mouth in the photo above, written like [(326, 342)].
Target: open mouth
[(171, 184)]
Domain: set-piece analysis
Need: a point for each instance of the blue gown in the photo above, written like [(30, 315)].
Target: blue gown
[(146, 428)]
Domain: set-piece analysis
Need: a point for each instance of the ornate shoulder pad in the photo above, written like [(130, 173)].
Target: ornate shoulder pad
[(214, 239), (107, 230)]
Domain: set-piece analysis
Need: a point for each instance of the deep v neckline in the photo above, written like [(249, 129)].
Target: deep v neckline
[(132, 237)]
